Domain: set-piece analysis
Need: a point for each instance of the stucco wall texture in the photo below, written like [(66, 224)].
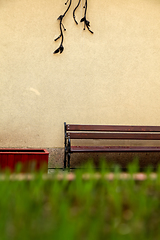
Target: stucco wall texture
[(110, 77)]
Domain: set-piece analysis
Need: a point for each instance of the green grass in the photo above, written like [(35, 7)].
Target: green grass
[(80, 209)]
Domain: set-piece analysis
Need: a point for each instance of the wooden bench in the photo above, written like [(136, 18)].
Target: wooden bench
[(117, 132)]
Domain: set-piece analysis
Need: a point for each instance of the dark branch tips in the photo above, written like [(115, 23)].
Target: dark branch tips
[(59, 50), (83, 19), (60, 17), (56, 51), (62, 28)]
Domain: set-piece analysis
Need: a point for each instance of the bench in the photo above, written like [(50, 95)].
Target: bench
[(116, 132)]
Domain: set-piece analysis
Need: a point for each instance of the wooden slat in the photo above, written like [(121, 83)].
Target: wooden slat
[(78, 149), (133, 136), (114, 128)]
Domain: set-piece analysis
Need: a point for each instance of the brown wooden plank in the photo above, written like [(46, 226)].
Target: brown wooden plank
[(133, 136), (78, 149), (115, 128)]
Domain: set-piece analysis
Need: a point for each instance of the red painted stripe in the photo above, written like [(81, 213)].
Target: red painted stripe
[(4, 161), (11, 162)]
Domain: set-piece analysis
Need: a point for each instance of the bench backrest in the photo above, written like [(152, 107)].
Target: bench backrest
[(74, 131)]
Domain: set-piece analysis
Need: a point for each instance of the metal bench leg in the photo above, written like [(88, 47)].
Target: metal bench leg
[(69, 152), (69, 156), (65, 146), (65, 156)]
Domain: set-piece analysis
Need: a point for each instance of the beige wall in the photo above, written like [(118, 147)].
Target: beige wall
[(111, 77)]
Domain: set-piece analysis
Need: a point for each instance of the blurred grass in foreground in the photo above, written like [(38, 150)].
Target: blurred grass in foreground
[(80, 209)]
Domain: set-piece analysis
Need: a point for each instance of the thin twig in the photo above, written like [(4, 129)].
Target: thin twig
[(61, 26), (74, 12), (86, 22)]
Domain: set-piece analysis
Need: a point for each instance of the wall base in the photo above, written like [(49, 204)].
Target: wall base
[(56, 156)]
